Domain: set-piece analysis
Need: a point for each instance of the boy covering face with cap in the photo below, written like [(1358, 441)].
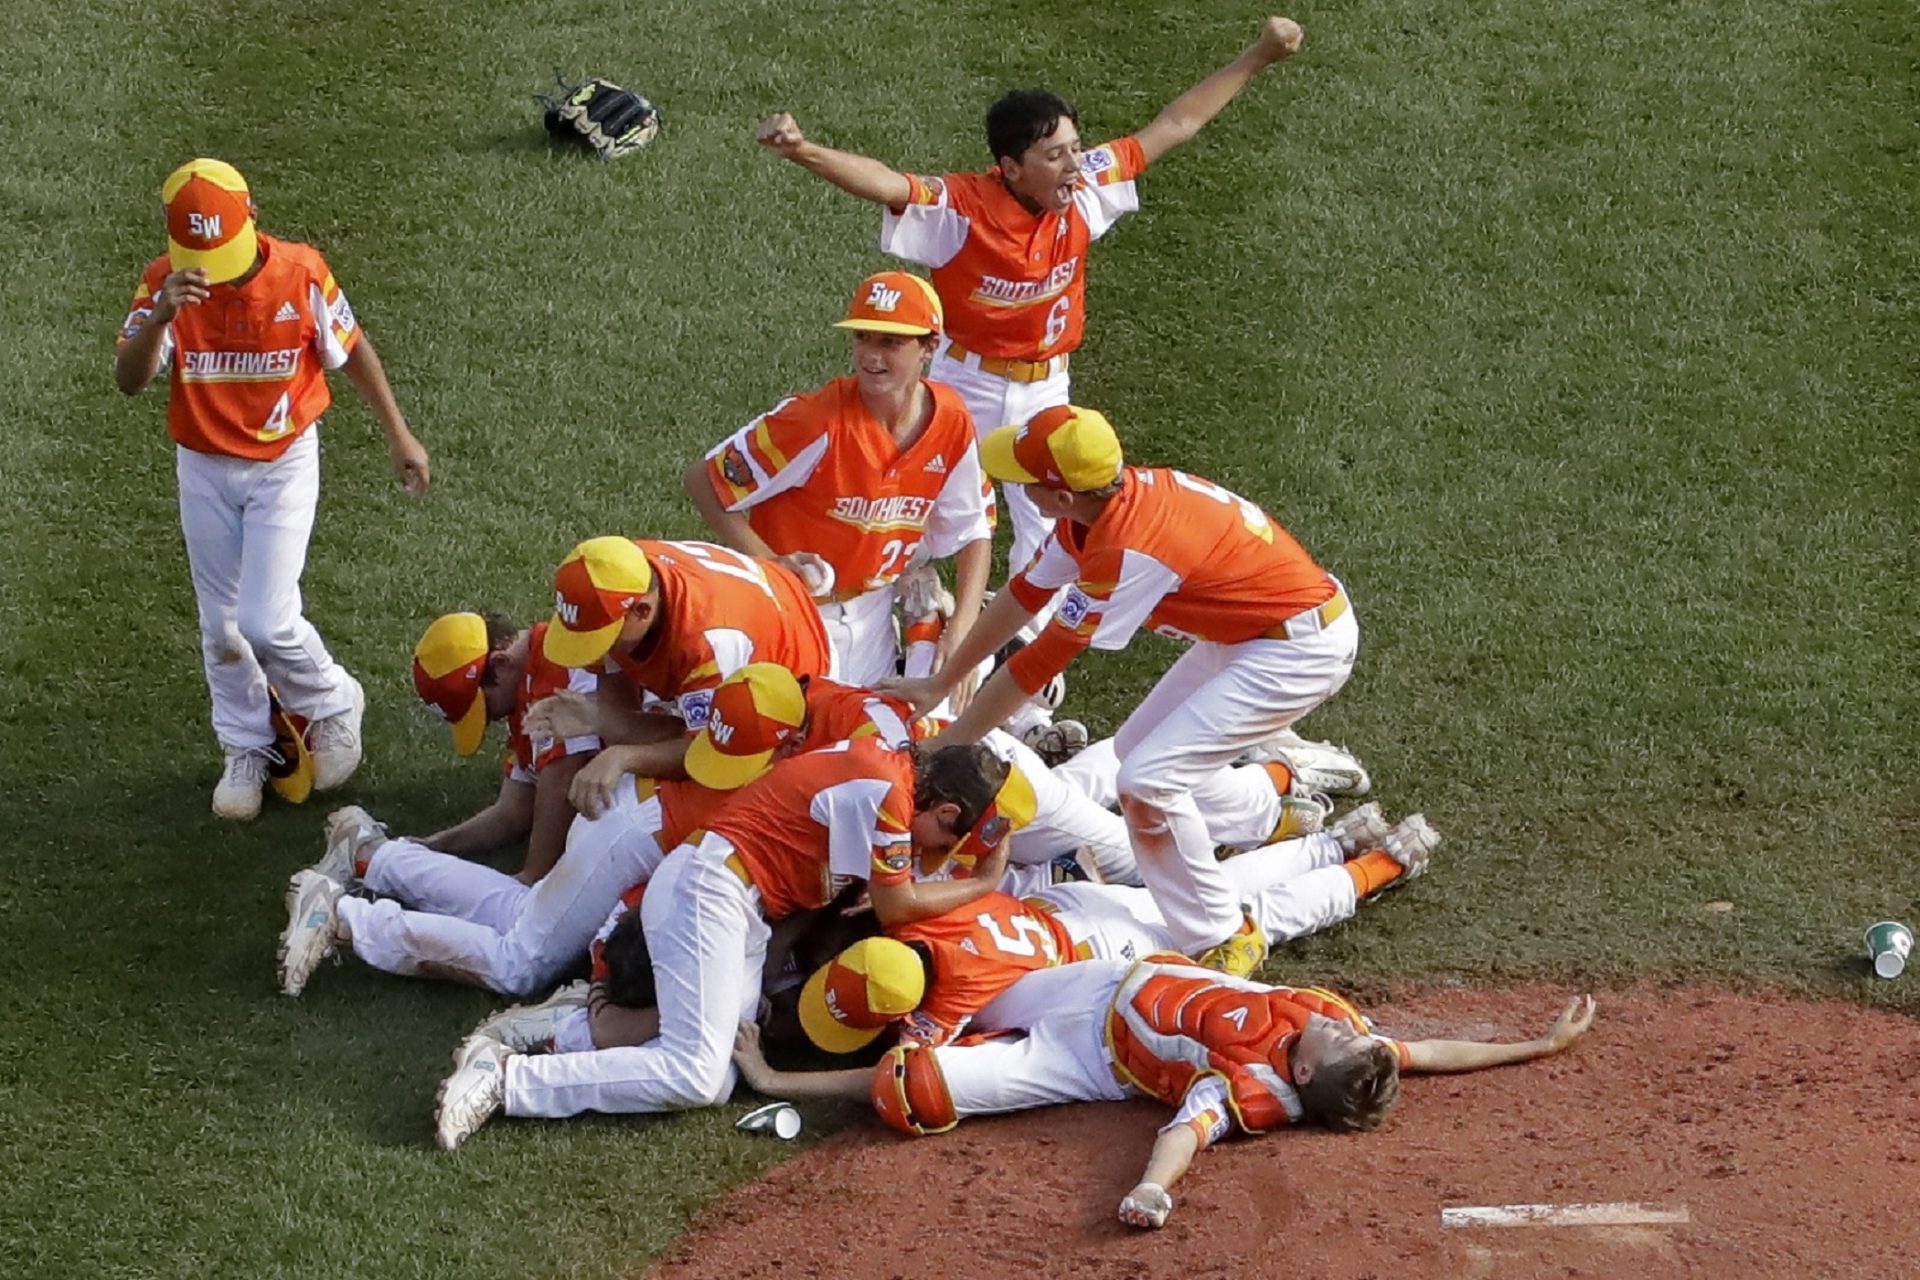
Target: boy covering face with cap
[(249, 324), (1273, 637)]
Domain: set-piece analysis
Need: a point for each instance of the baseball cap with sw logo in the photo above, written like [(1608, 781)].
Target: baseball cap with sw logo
[(591, 591), (754, 711), (210, 220), (894, 302)]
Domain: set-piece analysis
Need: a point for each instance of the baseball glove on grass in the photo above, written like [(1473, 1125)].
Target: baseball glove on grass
[(601, 115)]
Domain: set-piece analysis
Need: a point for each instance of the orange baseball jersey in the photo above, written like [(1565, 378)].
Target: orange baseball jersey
[(526, 756), (1175, 1025), (1013, 282), (720, 610), (249, 363), (818, 474), (817, 822), (977, 952), (1172, 552)]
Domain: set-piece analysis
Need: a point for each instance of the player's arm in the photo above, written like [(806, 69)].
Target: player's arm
[(595, 787), (614, 1025), (1187, 114), (972, 565), (1202, 1120), (904, 902), (854, 174), (508, 819), (136, 360), (552, 816), (852, 1085), (997, 624), (1432, 1056), (730, 528), (611, 713), (369, 378)]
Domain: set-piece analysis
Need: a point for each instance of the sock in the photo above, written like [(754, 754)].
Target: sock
[(1282, 776), (1373, 871)]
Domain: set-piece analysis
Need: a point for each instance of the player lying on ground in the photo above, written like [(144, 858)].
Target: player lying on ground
[(853, 483), (1273, 636), (792, 841), (1008, 246), (1229, 1054), (931, 979)]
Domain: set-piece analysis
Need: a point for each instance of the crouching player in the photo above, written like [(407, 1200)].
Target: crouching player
[(1227, 1053)]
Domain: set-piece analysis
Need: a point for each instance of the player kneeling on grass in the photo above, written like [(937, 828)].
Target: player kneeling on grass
[(1229, 1054), (814, 825)]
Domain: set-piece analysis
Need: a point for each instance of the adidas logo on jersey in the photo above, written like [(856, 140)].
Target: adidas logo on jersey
[(285, 313), (939, 464)]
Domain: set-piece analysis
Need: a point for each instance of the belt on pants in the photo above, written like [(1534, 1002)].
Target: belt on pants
[(1309, 621), (1011, 370)]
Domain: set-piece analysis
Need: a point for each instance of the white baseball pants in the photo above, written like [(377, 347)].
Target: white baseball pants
[(1065, 819), (1293, 888), (1243, 806), (246, 526), (1174, 750), (866, 645), (709, 943), (996, 402), (459, 920), (1062, 1058)]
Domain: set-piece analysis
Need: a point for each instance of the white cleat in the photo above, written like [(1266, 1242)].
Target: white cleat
[(309, 936), (473, 1093), (1411, 844), (1363, 829), (1057, 742), (348, 831), (1318, 766), (242, 778), (530, 1028), (335, 743)]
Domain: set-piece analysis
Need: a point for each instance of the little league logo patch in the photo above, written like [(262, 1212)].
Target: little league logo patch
[(1096, 162), (736, 469), (1074, 609), (694, 708), (918, 1028), (993, 831), (898, 860)]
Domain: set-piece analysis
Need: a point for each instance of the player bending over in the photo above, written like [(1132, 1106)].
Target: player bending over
[(1228, 1054)]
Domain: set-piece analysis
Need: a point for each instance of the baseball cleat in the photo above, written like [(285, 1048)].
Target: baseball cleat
[(530, 1028), (469, 1097), (1147, 1205), (1301, 816), (1241, 953), (309, 936), (1319, 766), (1058, 742), (1411, 844), (335, 743), (348, 831), (1363, 829), (242, 779)]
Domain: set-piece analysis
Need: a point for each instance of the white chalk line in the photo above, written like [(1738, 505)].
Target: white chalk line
[(1616, 1213)]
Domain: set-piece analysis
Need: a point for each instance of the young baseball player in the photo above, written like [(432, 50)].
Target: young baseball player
[(1008, 246), (1228, 1054), (249, 324), (813, 826), (852, 483), (1273, 637), (446, 917)]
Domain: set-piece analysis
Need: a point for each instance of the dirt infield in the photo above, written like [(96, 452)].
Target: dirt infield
[(1786, 1129)]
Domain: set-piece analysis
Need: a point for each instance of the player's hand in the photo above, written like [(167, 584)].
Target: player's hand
[(962, 692), (922, 694), (565, 714), (1573, 1022), (409, 458), (750, 1058), (779, 134), (814, 571), (992, 866), (1147, 1205), (181, 289), (1279, 38), (597, 785)]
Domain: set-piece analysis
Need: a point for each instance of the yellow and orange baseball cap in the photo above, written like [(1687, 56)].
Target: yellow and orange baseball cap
[(448, 665), (894, 302), (591, 591), (1064, 447), (210, 220), (1013, 807), (753, 712), (854, 996)]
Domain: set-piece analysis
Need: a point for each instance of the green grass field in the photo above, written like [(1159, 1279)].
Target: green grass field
[(1578, 339)]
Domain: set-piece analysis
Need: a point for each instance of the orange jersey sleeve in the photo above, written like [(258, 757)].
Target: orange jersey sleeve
[(248, 365), (526, 755), (719, 611)]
